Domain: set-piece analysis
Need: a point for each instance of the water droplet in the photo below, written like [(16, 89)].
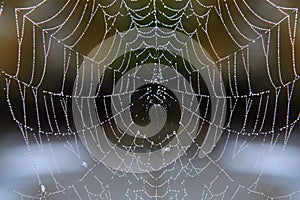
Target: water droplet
[(42, 188), (167, 149), (1, 9)]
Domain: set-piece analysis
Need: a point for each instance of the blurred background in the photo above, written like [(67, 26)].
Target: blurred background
[(49, 166)]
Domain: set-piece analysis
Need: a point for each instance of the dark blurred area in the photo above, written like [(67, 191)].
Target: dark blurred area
[(50, 78)]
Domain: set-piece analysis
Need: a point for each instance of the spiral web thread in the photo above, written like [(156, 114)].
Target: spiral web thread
[(46, 34)]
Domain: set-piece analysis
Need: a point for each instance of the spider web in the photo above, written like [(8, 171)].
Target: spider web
[(246, 41)]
